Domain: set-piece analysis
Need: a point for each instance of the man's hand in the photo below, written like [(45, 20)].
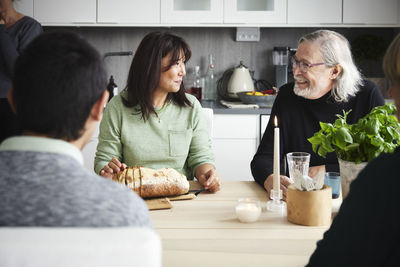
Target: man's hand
[(313, 171), (269, 184), (112, 168)]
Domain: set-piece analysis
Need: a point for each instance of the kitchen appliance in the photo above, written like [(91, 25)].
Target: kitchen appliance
[(223, 81), (240, 81), (283, 70), (280, 59)]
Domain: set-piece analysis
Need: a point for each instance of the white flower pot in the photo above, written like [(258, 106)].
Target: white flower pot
[(348, 172)]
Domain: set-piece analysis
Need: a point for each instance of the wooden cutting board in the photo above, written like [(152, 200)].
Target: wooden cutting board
[(158, 203), (164, 202), (182, 197)]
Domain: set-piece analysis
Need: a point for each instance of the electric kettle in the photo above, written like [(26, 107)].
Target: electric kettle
[(240, 81)]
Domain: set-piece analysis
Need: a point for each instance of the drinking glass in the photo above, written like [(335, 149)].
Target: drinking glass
[(333, 180), (298, 161)]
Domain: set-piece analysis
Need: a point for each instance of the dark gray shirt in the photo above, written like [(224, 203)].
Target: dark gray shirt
[(13, 40), (54, 189)]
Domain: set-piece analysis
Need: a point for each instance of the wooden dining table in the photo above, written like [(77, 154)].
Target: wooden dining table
[(206, 232)]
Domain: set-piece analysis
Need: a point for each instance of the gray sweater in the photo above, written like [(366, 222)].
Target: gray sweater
[(53, 189)]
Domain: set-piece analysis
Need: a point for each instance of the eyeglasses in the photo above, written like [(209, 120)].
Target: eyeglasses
[(304, 67)]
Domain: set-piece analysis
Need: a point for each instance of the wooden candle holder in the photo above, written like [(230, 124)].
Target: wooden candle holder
[(310, 208)]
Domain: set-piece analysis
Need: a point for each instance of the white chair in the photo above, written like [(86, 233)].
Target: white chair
[(89, 151), (75, 247), (208, 115)]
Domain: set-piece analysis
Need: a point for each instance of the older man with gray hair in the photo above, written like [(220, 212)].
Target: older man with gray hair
[(326, 82)]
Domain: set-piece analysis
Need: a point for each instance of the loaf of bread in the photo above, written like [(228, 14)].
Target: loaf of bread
[(148, 182)]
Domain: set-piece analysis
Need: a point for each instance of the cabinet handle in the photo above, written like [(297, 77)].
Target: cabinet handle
[(108, 22), (359, 23), (82, 22)]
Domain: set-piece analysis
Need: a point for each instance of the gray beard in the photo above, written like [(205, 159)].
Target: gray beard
[(307, 93)]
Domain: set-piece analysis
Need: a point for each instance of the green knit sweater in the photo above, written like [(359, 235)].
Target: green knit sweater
[(177, 138)]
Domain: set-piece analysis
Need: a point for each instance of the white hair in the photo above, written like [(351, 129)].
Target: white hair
[(335, 50)]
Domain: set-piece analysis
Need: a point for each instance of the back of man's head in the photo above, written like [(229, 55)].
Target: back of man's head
[(57, 80)]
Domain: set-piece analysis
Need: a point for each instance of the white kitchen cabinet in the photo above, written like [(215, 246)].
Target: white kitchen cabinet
[(128, 11), (370, 12), (255, 11), (314, 11), (24, 6), (53, 12), (235, 141), (191, 12)]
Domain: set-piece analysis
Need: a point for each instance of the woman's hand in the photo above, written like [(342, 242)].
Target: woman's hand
[(112, 168), (208, 177), (269, 184)]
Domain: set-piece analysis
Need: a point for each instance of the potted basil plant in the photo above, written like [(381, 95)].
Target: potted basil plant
[(357, 144)]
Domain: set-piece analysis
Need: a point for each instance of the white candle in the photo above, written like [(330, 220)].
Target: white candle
[(276, 176), (248, 210)]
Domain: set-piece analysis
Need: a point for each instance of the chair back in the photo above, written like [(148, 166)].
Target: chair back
[(75, 247), (208, 115)]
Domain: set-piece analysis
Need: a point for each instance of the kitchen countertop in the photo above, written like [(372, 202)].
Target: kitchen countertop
[(218, 108)]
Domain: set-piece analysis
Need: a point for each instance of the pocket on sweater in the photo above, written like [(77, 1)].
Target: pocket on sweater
[(179, 142)]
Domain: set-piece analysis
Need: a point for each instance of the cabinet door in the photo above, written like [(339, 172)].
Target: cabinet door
[(128, 11), (314, 11), (191, 12), (65, 11), (255, 11), (24, 6), (263, 125), (370, 11), (235, 139)]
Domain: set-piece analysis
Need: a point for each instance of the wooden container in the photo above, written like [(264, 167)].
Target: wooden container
[(311, 208)]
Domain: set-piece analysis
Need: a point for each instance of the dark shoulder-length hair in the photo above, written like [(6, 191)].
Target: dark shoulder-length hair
[(145, 71)]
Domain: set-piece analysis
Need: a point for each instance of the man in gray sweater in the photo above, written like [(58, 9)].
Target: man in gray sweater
[(59, 93)]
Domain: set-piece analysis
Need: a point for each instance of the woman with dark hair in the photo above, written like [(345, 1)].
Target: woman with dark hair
[(16, 32), (153, 122)]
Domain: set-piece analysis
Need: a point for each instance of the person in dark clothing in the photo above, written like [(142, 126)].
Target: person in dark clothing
[(326, 83), (16, 32), (366, 231)]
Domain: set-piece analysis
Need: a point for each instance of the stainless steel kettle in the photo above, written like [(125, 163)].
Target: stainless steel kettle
[(240, 81)]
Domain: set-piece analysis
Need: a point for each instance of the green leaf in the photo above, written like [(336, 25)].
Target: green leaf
[(352, 147), (377, 141), (372, 126), (325, 126), (345, 135)]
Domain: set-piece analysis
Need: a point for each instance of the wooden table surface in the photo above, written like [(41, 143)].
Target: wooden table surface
[(206, 232)]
